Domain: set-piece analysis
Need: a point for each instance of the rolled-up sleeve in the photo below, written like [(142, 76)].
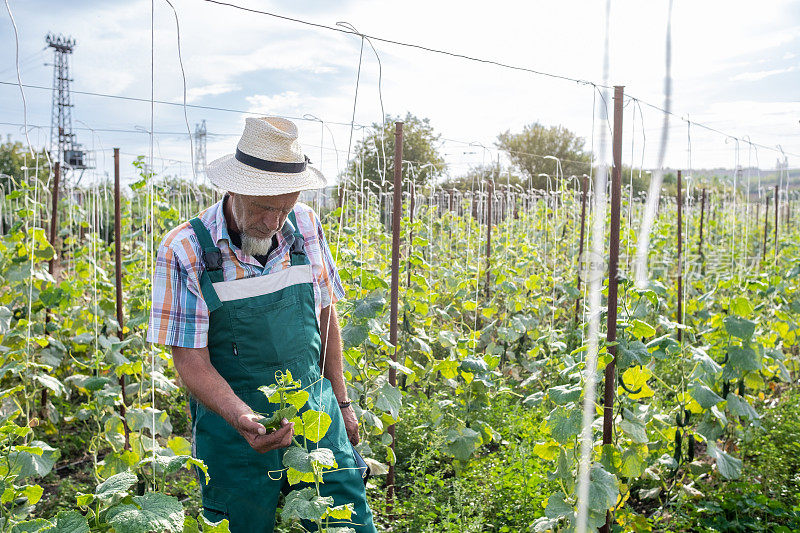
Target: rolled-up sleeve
[(178, 316)]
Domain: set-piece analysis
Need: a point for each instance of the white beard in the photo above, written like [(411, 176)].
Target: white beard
[(255, 246), (252, 245)]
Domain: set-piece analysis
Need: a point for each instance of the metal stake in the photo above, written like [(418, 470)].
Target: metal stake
[(613, 264), (489, 196), (584, 189), (776, 219), (118, 282), (397, 212), (702, 214), (766, 221), (410, 231), (680, 256), (54, 216)]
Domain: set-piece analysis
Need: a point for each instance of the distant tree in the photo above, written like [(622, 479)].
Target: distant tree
[(476, 176), (13, 159), (376, 153), (527, 151)]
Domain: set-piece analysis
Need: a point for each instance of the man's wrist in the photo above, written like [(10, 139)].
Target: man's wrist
[(235, 412)]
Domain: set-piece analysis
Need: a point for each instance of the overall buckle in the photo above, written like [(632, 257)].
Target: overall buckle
[(298, 246), (212, 259)]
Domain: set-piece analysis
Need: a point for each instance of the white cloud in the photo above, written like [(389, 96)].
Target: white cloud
[(284, 103), (287, 56), (761, 74), (196, 93)]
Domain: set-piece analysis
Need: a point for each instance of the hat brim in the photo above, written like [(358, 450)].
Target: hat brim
[(229, 174)]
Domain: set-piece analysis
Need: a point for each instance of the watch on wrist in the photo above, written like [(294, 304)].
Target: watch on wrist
[(345, 404)]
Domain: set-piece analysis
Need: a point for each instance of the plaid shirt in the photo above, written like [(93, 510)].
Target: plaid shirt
[(179, 315)]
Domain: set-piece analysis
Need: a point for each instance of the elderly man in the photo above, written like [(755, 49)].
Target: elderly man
[(240, 293)]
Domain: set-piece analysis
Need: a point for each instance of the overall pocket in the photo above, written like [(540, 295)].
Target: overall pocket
[(221, 448), (264, 332)]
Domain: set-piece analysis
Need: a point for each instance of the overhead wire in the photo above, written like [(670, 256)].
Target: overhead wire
[(405, 44), (342, 28)]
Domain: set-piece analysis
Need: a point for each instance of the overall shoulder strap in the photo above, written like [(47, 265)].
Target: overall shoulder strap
[(212, 259), (298, 250)]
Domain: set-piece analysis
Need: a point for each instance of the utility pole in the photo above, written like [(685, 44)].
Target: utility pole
[(63, 147)]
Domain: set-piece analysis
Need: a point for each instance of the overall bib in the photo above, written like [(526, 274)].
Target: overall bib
[(258, 326)]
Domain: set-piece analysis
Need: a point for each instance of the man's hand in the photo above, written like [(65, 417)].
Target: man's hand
[(258, 438), (351, 424)]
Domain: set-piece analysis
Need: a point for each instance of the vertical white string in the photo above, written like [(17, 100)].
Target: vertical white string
[(654, 193), (594, 274), (149, 233)]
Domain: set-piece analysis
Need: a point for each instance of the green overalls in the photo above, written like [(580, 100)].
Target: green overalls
[(257, 326)]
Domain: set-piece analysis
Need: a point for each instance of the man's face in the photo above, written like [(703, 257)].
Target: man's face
[(258, 218)]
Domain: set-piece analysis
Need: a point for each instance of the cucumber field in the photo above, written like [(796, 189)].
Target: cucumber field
[(570, 330)]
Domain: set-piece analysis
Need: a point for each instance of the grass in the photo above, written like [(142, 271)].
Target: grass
[(767, 497), (502, 489)]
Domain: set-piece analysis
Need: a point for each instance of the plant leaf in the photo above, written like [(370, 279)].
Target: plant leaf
[(153, 511), (739, 327)]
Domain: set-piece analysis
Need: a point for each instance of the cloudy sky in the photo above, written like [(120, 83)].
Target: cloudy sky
[(735, 68)]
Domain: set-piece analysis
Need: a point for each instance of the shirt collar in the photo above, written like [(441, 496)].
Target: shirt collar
[(220, 233)]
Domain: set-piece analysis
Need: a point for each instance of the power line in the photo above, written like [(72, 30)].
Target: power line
[(399, 43), (177, 104), (143, 131), (342, 29), (232, 110), (108, 130), (709, 128)]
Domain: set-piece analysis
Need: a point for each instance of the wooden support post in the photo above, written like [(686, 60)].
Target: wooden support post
[(680, 255), (51, 265), (54, 216), (613, 264), (451, 206), (118, 282), (489, 198), (786, 212), (758, 217), (475, 205), (766, 221), (397, 213), (584, 191), (777, 191), (96, 220), (410, 231), (702, 214)]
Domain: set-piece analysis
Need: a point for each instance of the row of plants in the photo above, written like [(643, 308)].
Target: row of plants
[(473, 349)]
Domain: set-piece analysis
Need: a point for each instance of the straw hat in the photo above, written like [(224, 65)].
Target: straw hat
[(267, 162)]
